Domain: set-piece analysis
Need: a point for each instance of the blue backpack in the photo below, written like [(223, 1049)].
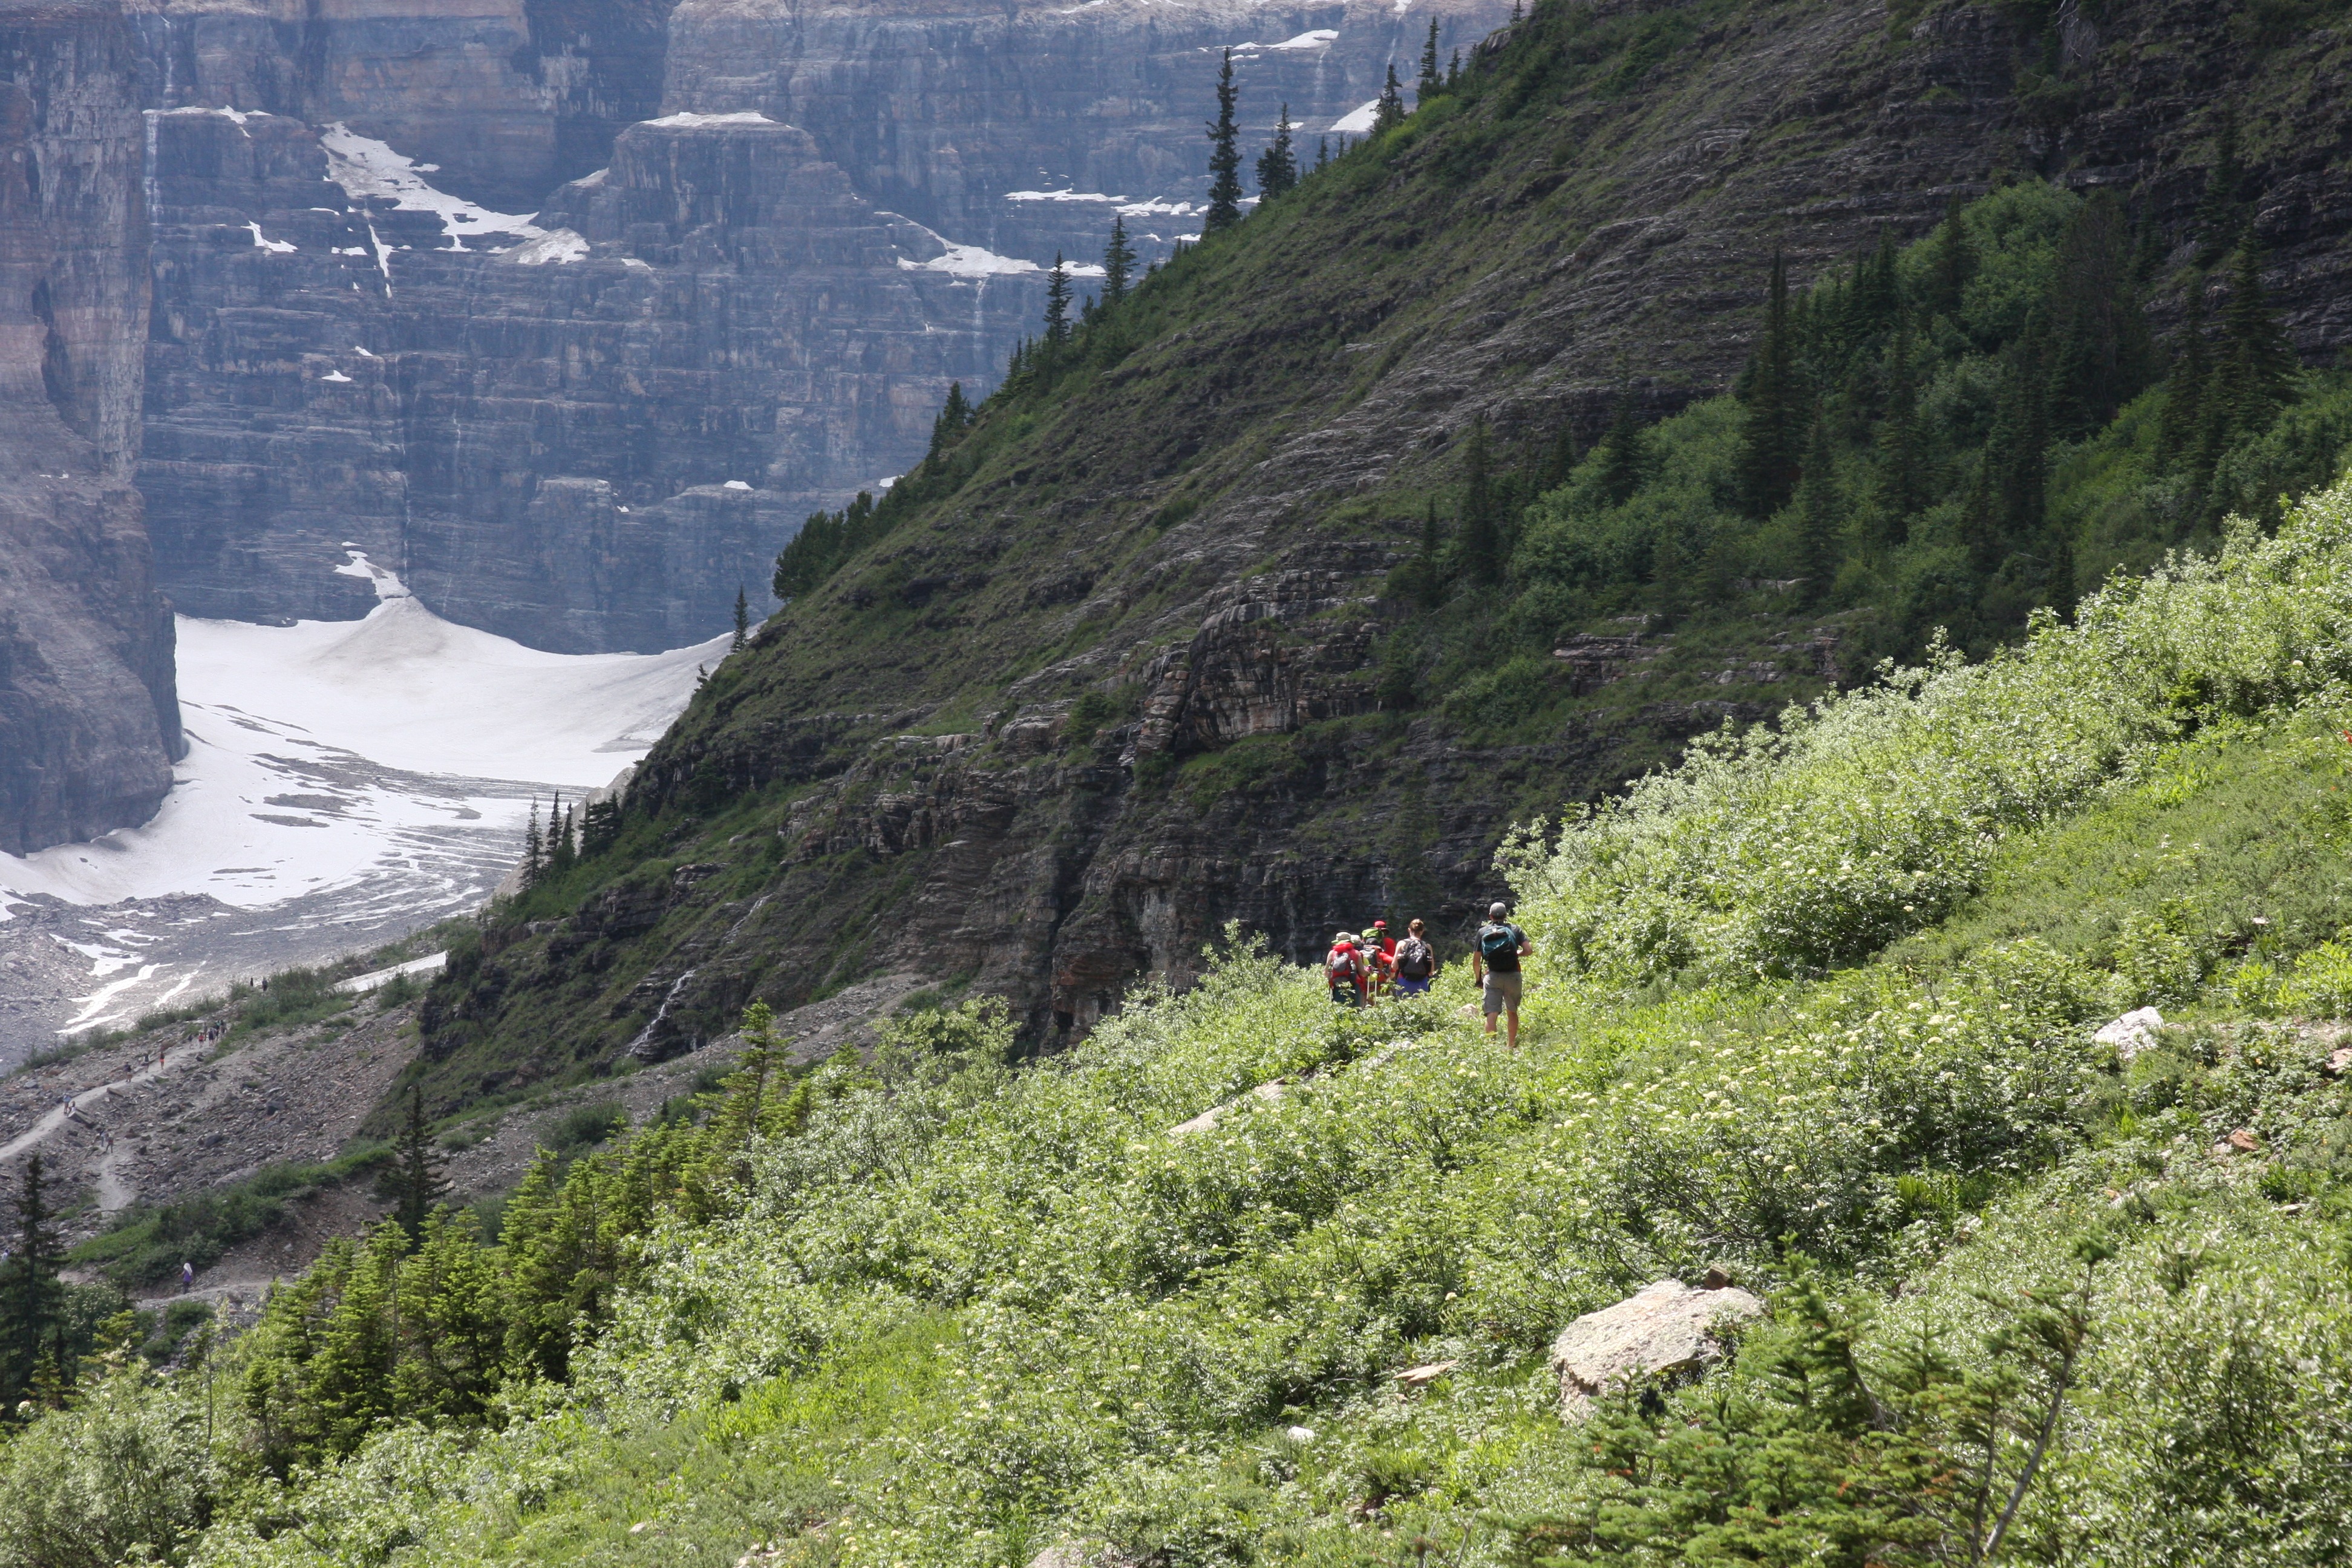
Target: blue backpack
[(1498, 941)]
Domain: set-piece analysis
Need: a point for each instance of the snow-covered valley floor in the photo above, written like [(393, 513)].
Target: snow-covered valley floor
[(345, 782)]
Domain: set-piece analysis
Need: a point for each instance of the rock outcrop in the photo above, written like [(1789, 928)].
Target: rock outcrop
[(89, 716), (1665, 1330)]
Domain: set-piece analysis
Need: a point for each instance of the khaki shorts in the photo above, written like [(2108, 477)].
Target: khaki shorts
[(1502, 990)]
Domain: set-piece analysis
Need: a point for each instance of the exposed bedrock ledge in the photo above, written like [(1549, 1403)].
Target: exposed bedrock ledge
[(587, 442), (88, 715)]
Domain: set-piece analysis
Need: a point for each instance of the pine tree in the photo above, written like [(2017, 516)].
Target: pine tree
[(1950, 267), (2058, 588), (2251, 382), (955, 416), (1481, 531), (31, 1301), (417, 1180), (560, 855), (1820, 515), (1322, 153), (1430, 83), (1224, 156), (2100, 355), (1057, 308), (1278, 167), (2219, 214), (1903, 443), (534, 852), (600, 827), (449, 1313), (1429, 574), (1559, 459), (2010, 499), (1772, 425), (1119, 268), (1624, 453), (1875, 298), (742, 637), (1454, 72), (2176, 436), (1389, 113)]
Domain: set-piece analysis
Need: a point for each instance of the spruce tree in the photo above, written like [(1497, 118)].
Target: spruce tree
[(1057, 308), (599, 826), (1559, 459), (1278, 167), (534, 853), (1118, 268), (31, 1301), (2184, 392), (2219, 214), (418, 1183), (955, 416), (1481, 527), (559, 856), (1624, 453), (2100, 355), (1389, 113), (1224, 156), (1454, 72), (1820, 515), (1950, 266), (1430, 83), (2257, 359), (1773, 424), (1903, 443), (1322, 153), (742, 622), (1429, 575), (2010, 502)]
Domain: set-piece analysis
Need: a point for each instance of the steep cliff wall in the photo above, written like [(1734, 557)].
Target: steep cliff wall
[(89, 720), (1138, 667)]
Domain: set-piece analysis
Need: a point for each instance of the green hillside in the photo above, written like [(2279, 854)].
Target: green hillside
[(1813, 1010), (1466, 480)]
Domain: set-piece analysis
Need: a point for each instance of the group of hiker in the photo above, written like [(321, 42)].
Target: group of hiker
[(1362, 970)]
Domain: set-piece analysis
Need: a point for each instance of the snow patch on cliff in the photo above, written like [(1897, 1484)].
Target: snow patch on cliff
[(558, 247), (688, 120), (971, 261), (1357, 121), (1318, 38), (366, 167)]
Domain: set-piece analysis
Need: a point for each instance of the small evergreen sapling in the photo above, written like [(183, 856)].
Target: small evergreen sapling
[(1118, 269), (419, 1183), (1224, 156), (1057, 308), (742, 637)]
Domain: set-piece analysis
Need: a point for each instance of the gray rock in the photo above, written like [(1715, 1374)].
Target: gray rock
[(1665, 1328), (2131, 1033)]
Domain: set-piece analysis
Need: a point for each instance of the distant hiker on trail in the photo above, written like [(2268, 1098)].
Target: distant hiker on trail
[(1415, 963), (1494, 965), (1379, 955), (187, 1275), (1344, 971)]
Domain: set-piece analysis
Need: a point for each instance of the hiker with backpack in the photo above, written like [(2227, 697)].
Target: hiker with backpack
[(1380, 956), (1495, 966), (1415, 963), (1344, 971)]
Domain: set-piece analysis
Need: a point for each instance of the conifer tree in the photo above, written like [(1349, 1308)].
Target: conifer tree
[(2177, 436), (955, 416), (1950, 266), (1322, 153), (1482, 529), (2009, 501), (2219, 214), (1820, 515), (560, 855), (1057, 308), (1773, 424), (534, 852), (1624, 452), (1429, 84), (1278, 167), (1389, 113), (599, 826), (1454, 72), (742, 622), (449, 1314), (1559, 459), (418, 1182), (2100, 355), (1429, 574), (2257, 360), (1224, 156), (1118, 268), (31, 1301), (1903, 442)]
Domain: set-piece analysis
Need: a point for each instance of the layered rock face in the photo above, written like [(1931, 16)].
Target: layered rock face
[(588, 439), (1016, 127), (88, 717), (550, 424)]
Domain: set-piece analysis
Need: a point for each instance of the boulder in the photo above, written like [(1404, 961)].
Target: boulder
[(2131, 1033), (1269, 1092), (1667, 1327)]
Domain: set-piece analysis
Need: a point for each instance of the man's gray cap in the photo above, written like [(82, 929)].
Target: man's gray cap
[(1497, 911)]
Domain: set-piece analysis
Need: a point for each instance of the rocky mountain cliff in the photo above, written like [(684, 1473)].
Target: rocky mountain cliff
[(588, 428), (89, 720), (1135, 664)]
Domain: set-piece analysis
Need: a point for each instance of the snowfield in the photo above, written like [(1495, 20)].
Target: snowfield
[(345, 782)]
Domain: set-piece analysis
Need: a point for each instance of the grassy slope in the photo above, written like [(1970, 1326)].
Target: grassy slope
[(1007, 1311)]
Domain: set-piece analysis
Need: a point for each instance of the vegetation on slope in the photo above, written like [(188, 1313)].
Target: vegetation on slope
[(948, 1310)]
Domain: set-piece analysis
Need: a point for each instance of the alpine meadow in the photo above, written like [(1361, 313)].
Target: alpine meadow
[(1900, 684)]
